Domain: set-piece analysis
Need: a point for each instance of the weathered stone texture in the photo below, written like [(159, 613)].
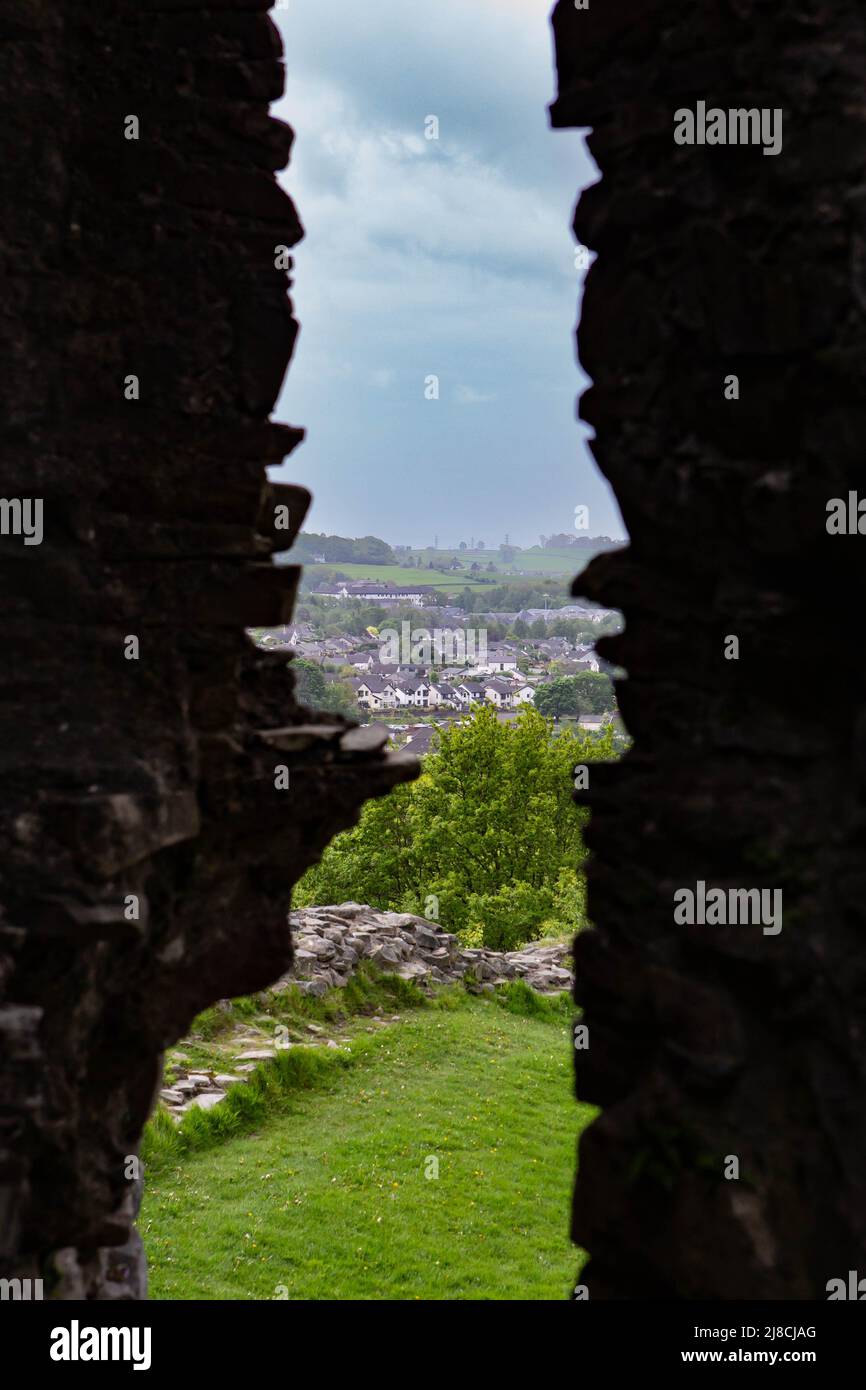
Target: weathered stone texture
[(711, 1041), (154, 777)]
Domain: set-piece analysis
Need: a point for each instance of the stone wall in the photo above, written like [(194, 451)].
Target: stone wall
[(710, 1041), (330, 943), (148, 779)]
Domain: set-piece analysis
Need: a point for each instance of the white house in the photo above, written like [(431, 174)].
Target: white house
[(373, 693), (587, 658), (447, 694), (499, 693), (362, 661), (425, 694), (499, 660), (387, 594), (466, 694), (523, 695)]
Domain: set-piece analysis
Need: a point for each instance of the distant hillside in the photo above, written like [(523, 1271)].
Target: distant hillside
[(566, 560), (368, 550)]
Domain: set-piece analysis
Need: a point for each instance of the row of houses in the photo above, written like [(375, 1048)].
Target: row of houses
[(497, 661), (571, 611), (377, 693)]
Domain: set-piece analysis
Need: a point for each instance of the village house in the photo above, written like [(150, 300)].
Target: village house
[(571, 612), (499, 660), (499, 693), (410, 690), (585, 659), (426, 694), (419, 739), (468, 693), (553, 648), (373, 693), (338, 646), (523, 694), (574, 668), (362, 661), (447, 696)]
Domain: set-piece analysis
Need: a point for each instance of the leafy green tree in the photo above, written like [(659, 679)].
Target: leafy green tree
[(595, 692), (369, 550), (558, 697), (340, 699), (490, 828), (588, 692), (310, 683), (312, 690)]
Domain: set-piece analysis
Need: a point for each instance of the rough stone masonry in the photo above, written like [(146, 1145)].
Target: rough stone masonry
[(147, 852), (713, 262), (331, 943)]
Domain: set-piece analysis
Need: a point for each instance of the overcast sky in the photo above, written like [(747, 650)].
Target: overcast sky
[(451, 257)]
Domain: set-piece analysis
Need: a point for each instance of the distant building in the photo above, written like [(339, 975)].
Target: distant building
[(572, 612), (387, 595), (362, 661)]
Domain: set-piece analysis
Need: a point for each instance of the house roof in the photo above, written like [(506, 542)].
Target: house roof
[(375, 684), (419, 739)]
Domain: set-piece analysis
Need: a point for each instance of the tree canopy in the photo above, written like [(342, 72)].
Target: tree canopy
[(489, 833), (588, 692)]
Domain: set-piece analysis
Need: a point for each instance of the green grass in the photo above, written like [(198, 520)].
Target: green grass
[(562, 561), (325, 1196), (395, 574)]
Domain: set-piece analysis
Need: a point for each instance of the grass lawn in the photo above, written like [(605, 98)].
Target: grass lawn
[(333, 1196)]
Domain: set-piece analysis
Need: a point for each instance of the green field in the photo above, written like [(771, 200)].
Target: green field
[(554, 562), (333, 1195), (394, 574)]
